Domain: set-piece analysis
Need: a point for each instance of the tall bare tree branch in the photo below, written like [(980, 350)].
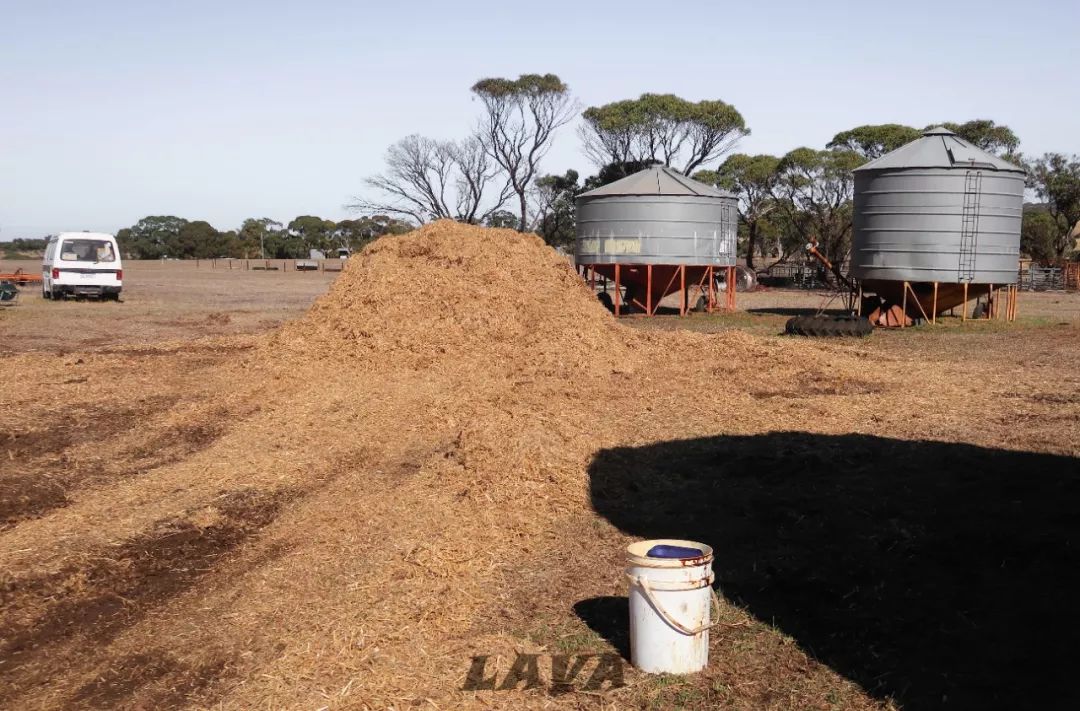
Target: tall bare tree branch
[(520, 119), (426, 180)]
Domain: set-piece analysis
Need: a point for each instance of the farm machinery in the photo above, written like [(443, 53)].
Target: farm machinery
[(10, 283), (888, 303)]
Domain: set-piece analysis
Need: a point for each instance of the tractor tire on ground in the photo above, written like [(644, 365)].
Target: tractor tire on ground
[(829, 326)]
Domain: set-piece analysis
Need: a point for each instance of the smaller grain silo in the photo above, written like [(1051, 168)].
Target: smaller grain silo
[(936, 223), (656, 233)]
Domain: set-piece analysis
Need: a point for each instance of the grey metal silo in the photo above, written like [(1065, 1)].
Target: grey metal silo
[(938, 210), (657, 216), (655, 233)]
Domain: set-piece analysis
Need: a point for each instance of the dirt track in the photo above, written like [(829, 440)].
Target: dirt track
[(212, 529)]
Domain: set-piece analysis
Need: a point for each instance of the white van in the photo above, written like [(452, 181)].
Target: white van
[(82, 264)]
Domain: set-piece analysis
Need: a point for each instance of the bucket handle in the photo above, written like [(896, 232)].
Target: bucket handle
[(714, 606)]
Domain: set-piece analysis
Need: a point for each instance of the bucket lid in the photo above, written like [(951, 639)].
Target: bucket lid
[(638, 554), (678, 552)]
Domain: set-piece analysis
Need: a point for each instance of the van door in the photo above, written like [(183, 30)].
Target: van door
[(46, 265)]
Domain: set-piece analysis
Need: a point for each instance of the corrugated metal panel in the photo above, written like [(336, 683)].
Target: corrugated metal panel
[(940, 224), (658, 229), (658, 180)]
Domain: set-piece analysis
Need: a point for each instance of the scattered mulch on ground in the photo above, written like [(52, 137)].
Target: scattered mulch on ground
[(456, 413)]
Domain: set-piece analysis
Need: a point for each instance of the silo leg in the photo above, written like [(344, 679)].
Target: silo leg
[(617, 299), (918, 301), (682, 290), (933, 312), (734, 289), (648, 290), (712, 291), (903, 308)]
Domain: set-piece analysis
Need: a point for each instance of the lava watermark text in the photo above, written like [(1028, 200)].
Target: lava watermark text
[(569, 672)]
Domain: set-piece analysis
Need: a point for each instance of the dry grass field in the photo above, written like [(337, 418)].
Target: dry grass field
[(162, 301), (214, 495)]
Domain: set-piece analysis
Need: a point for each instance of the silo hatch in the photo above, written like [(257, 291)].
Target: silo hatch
[(961, 156)]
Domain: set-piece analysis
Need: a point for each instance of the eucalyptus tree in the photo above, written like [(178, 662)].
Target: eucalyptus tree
[(874, 141), (752, 179), (815, 189), (661, 128), (521, 118), (1055, 178), (987, 135)]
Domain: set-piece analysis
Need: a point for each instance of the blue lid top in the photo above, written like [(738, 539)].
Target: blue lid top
[(679, 552)]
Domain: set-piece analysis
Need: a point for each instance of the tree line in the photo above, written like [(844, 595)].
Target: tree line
[(21, 248), (493, 175), (167, 236)]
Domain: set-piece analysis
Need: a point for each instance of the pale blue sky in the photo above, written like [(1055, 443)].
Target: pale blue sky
[(110, 110)]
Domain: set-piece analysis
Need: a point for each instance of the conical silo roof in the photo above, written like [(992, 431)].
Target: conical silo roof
[(939, 148), (657, 180)]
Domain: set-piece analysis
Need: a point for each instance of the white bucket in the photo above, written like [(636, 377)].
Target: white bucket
[(670, 601)]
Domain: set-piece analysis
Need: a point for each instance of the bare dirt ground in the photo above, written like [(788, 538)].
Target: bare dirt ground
[(197, 510), (162, 301)]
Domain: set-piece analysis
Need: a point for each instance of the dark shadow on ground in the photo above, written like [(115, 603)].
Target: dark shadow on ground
[(940, 575), (626, 309), (791, 311), (609, 617)]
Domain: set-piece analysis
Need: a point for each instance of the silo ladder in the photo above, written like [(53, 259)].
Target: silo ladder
[(969, 226)]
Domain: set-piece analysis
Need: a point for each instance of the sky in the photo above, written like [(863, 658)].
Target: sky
[(111, 111)]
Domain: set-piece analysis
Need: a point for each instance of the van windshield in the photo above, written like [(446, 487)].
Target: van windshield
[(87, 250)]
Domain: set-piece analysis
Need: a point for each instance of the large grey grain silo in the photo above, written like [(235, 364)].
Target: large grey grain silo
[(656, 232), (936, 223)]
